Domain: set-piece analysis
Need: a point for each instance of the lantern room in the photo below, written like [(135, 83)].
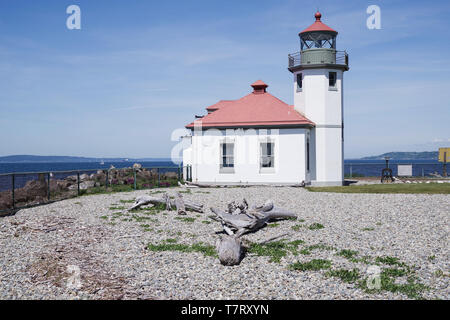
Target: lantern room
[(318, 35), (317, 47)]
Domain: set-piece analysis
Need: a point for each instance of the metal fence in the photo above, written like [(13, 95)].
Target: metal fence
[(22, 190), (338, 57), (352, 170)]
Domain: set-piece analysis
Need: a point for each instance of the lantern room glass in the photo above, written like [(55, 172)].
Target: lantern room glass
[(312, 40)]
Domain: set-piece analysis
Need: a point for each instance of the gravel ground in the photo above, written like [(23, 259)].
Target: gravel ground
[(43, 248)]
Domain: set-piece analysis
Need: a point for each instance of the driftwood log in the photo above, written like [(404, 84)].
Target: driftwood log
[(229, 249), (239, 220), (178, 203)]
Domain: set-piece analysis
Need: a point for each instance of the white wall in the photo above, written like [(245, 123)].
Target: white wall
[(290, 156), (187, 154), (315, 100), (324, 107)]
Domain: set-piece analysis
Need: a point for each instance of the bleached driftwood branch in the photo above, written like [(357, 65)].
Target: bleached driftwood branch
[(169, 203)]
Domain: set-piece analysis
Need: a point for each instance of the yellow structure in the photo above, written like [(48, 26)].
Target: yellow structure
[(442, 152)]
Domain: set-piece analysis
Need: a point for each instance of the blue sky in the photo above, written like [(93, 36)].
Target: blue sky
[(139, 69)]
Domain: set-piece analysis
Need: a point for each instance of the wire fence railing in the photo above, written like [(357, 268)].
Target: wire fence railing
[(354, 170), (21, 190)]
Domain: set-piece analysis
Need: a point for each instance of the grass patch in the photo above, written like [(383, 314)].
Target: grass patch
[(313, 265), (316, 226), (206, 222), (171, 240), (186, 219), (346, 253), (395, 272), (275, 249), (368, 229), (349, 276), (104, 217), (439, 273), (142, 218), (157, 191), (207, 250), (390, 276), (391, 261), (426, 188), (117, 208), (153, 210), (273, 225), (126, 201), (309, 249), (412, 288), (364, 259)]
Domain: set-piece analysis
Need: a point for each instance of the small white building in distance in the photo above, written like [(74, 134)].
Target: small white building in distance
[(259, 139)]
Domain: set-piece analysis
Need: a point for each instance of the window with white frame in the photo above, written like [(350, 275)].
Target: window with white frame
[(267, 154), (227, 157)]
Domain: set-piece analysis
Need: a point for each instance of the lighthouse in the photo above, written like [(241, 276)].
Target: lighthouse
[(318, 77)]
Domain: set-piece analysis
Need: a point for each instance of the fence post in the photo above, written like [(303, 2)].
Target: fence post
[(107, 180), (351, 171), (13, 177), (48, 186), (134, 175), (179, 173), (78, 183), (444, 166)]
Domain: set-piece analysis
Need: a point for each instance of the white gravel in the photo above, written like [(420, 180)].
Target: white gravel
[(37, 245)]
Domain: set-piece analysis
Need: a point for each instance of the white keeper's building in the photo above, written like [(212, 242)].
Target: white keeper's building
[(259, 139)]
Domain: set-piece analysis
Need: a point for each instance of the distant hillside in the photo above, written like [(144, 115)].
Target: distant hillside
[(31, 158), (426, 155)]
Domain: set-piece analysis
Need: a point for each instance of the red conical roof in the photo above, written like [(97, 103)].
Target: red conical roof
[(318, 25)]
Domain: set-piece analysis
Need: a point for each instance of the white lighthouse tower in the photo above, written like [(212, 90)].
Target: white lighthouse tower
[(318, 71)]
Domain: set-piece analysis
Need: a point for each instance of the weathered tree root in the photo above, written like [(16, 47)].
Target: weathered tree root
[(240, 220)]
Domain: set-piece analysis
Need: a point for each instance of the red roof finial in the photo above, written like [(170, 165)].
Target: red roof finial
[(318, 25), (259, 86), (318, 15)]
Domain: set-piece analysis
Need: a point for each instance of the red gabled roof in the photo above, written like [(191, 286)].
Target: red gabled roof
[(318, 25), (218, 105), (256, 109)]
